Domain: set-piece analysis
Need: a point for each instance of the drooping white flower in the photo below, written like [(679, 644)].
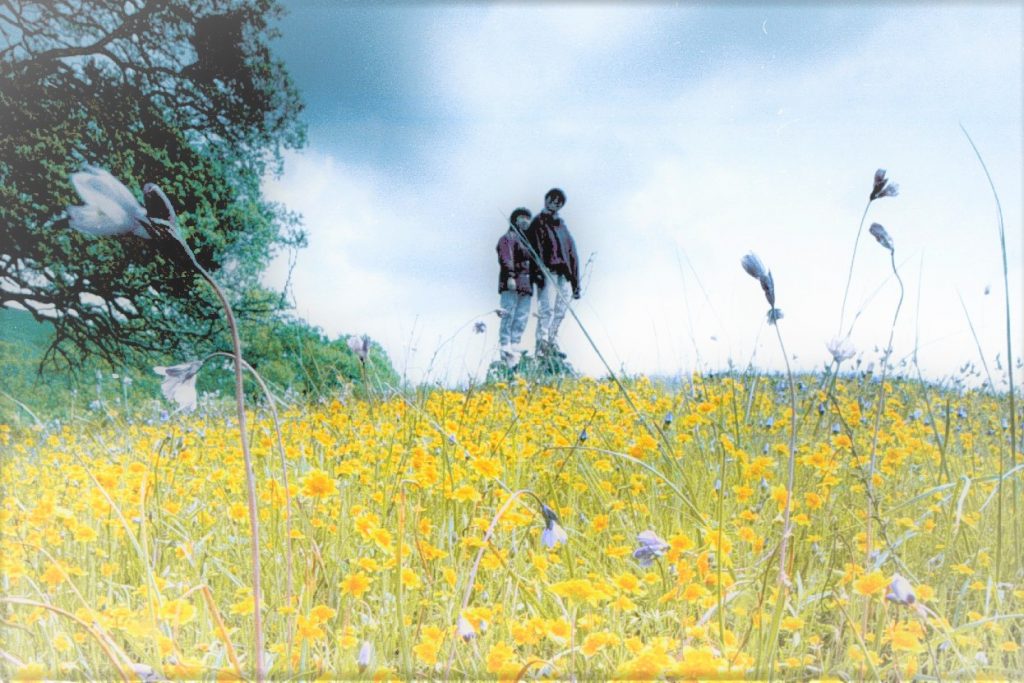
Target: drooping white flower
[(360, 345), (179, 383), (841, 349), (651, 546), (755, 269), (110, 208), (464, 629), (879, 233), (753, 266), (900, 591), (553, 533), (145, 673), (365, 656)]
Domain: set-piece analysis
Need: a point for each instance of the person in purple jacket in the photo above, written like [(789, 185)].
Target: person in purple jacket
[(551, 241), (514, 286)]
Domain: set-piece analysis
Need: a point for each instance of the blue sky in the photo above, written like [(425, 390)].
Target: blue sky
[(684, 136)]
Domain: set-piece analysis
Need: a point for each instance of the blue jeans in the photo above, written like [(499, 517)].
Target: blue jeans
[(552, 303), (517, 313)]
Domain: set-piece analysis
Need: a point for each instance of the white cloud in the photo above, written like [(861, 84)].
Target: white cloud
[(668, 186)]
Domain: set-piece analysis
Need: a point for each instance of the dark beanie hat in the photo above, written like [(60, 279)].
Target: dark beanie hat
[(555, 192), (521, 211)]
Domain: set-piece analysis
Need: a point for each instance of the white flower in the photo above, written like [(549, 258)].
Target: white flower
[(360, 346), (651, 546), (553, 533), (841, 349), (900, 591), (145, 673), (365, 655), (110, 208), (179, 383), (464, 629)]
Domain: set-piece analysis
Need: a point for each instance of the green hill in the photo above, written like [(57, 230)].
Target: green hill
[(20, 328), (292, 356)]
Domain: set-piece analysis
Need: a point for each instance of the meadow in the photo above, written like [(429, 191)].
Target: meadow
[(840, 525), (522, 529)]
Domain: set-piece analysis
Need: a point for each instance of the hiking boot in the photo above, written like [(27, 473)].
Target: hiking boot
[(555, 351), (508, 356)]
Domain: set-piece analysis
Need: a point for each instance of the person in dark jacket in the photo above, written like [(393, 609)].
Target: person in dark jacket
[(514, 285), (551, 241)]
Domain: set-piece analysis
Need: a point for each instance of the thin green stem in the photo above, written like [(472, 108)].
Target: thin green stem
[(271, 402), (879, 411), (1009, 343), (999, 484), (783, 578), (849, 276)]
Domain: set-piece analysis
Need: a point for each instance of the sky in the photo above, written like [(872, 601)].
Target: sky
[(684, 136)]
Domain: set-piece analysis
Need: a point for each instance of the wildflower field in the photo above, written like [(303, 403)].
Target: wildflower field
[(526, 529)]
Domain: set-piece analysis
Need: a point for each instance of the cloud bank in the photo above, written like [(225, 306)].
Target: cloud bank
[(683, 138)]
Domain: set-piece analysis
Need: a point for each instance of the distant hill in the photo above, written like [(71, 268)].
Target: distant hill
[(20, 328), (289, 353)]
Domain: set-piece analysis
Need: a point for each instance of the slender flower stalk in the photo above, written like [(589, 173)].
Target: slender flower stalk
[(250, 475), (111, 209), (1009, 374), (271, 402), (881, 187), (882, 236), (753, 267)]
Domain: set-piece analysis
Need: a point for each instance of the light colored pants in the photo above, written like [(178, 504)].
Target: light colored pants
[(517, 313), (552, 303)]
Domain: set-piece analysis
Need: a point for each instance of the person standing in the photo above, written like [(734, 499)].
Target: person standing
[(515, 287), (559, 277)]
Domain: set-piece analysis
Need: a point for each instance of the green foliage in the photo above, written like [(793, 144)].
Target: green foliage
[(291, 355), (544, 368), (184, 94), (289, 352)]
